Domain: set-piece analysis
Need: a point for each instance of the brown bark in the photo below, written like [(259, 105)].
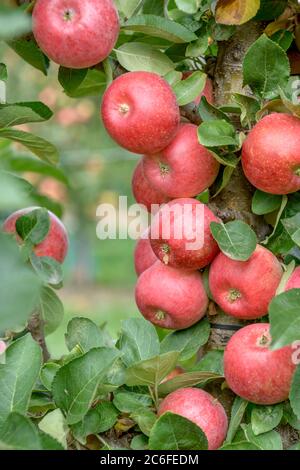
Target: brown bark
[(36, 328)]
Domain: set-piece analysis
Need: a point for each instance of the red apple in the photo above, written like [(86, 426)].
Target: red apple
[(143, 192), (144, 256), (294, 280), (207, 91), (171, 298), (183, 169), (74, 33), (140, 112), (271, 154), (253, 371), (244, 289), (202, 409), (55, 245), (181, 236)]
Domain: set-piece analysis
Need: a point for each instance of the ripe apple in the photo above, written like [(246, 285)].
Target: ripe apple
[(183, 169), (181, 236), (55, 245), (140, 112), (253, 371), (271, 154), (74, 33), (202, 409), (143, 192), (171, 298), (207, 91), (244, 289), (294, 280), (144, 256)]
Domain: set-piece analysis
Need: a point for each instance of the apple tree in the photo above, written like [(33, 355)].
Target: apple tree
[(206, 92)]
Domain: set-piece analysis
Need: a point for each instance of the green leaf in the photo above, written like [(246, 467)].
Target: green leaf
[(242, 445), (236, 12), (237, 412), (48, 269), (34, 226), (139, 442), (285, 329), (29, 51), (54, 424), (18, 375), (295, 392), (151, 371), (128, 7), (94, 84), (173, 77), (226, 177), (13, 22), (283, 38), (187, 342), (263, 203), (128, 402), (160, 27), (48, 373), (249, 108), (285, 277), (3, 72), (19, 286), (19, 433), (290, 416), (20, 164), (188, 6), (189, 89), (49, 443), (217, 133), (236, 239), (269, 10), (208, 112), (145, 419), (265, 418), (75, 384), (99, 419), (136, 56), (227, 159), (138, 341), (189, 379), (266, 66), (20, 113), (37, 145), (52, 310), (71, 79), (85, 333), (174, 432), (268, 441), (292, 226)]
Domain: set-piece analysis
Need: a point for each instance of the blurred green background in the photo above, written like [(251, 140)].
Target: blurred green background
[(99, 274)]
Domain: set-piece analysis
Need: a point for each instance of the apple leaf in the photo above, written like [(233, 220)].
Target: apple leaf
[(237, 412), (265, 67), (263, 203), (138, 341), (174, 432), (292, 226), (20, 113), (208, 112), (157, 26), (236, 239), (249, 108), (85, 333), (52, 309), (265, 418), (188, 6), (137, 56), (48, 269), (71, 79), (128, 402), (187, 341), (145, 419), (217, 133), (19, 433), (13, 22), (226, 177), (241, 445), (48, 373), (54, 425), (269, 10), (29, 51), (236, 12), (189, 379), (285, 329), (151, 371), (267, 441), (295, 393), (189, 89)]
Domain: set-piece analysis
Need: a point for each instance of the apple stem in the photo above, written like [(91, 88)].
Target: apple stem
[(36, 328)]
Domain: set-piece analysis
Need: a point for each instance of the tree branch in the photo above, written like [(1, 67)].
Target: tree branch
[(36, 328)]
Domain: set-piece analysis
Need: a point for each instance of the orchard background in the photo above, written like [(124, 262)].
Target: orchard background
[(79, 366)]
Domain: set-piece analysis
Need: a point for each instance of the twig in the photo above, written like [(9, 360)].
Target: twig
[(36, 328)]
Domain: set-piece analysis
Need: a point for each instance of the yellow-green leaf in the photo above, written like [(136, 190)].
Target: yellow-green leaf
[(236, 11)]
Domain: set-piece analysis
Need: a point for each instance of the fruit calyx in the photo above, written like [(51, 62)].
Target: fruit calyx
[(124, 108), (264, 340), (164, 168), (68, 14), (160, 315), (233, 295), (297, 171), (166, 251)]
